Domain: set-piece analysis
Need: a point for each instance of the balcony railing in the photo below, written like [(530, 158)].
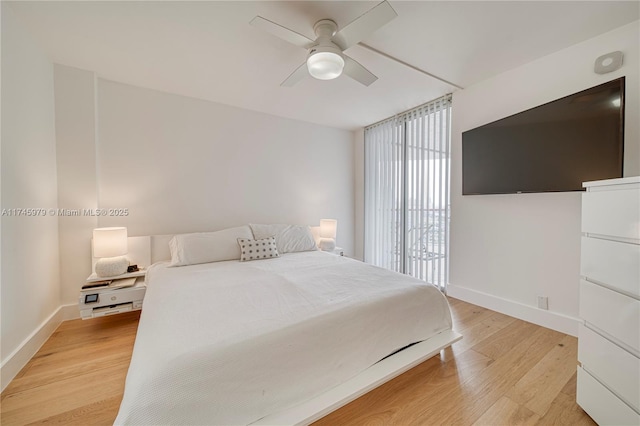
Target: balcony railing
[(426, 240)]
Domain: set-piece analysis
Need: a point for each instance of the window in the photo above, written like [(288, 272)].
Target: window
[(407, 162)]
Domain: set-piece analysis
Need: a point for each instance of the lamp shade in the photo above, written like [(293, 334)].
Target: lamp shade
[(328, 228), (110, 242)]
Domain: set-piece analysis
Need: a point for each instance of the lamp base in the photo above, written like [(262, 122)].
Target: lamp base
[(111, 266), (327, 244)]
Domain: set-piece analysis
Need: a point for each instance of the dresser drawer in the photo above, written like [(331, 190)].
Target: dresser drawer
[(615, 213), (614, 313), (602, 405), (612, 365), (612, 263)]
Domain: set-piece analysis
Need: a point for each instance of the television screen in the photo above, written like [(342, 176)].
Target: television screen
[(553, 147)]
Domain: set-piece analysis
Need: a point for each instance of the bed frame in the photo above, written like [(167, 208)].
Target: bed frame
[(374, 376), (156, 248)]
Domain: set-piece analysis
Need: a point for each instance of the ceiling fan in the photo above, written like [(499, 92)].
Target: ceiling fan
[(326, 59)]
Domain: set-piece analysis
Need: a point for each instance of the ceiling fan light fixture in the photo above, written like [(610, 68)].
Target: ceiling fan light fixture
[(325, 63)]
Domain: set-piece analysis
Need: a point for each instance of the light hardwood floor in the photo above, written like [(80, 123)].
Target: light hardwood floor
[(503, 372)]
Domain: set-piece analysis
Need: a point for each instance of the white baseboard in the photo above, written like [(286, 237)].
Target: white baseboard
[(16, 361), (70, 312), (553, 320)]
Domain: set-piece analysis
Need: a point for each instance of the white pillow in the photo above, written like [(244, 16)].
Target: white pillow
[(289, 238), (205, 247)]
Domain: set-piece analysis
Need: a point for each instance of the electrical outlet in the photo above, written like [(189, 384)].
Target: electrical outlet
[(543, 302)]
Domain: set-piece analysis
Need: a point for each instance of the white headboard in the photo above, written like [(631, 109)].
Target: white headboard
[(160, 248)]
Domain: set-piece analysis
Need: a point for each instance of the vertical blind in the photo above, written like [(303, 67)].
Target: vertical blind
[(407, 192)]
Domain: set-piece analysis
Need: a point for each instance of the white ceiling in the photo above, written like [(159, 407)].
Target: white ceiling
[(208, 50)]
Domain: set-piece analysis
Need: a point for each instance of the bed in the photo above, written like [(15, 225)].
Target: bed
[(275, 341)]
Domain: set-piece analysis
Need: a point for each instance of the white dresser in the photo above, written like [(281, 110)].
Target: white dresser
[(609, 337)]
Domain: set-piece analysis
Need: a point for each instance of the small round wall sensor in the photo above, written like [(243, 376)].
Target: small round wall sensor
[(608, 63)]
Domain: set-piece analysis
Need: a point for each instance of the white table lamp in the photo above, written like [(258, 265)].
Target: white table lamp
[(110, 245), (328, 228)]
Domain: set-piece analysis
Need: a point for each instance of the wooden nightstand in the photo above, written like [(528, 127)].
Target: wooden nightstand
[(102, 301)]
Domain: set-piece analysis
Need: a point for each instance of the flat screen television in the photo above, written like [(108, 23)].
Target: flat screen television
[(549, 148)]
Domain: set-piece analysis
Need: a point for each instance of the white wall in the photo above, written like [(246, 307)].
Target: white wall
[(30, 269), (508, 249), (180, 164), (75, 106)]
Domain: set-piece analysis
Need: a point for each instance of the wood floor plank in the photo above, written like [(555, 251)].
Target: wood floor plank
[(77, 354), (84, 337), (100, 413), (482, 330), (77, 377), (507, 412), (565, 411), (473, 397), (513, 334), (53, 399), (465, 315), (539, 387), (54, 363), (53, 375), (570, 387)]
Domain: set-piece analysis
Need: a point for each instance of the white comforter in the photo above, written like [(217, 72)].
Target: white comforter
[(231, 342)]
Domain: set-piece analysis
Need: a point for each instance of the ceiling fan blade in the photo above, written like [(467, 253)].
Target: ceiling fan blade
[(353, 69), (364, 25), (299, 74), (281, 32)]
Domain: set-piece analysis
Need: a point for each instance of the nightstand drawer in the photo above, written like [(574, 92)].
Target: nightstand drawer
[(611, 364), (612, 312), (112, 310)]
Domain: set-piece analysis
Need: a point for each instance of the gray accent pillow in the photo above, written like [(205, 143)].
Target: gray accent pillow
[(289, 238)]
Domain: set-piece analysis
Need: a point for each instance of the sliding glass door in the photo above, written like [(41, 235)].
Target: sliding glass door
[(407, 192)]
